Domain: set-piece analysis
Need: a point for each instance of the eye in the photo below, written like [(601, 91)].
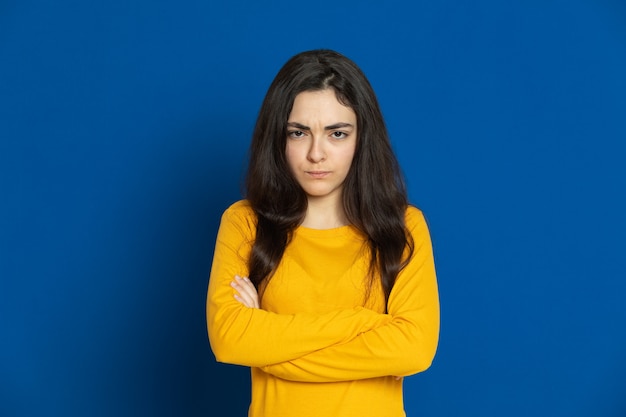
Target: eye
[(295, 134), (339, 135)]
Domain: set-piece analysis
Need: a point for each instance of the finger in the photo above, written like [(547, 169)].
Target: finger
[(248, 288), (245, 292), (243, 288), (243, 297), (240, 294), (243, 300)]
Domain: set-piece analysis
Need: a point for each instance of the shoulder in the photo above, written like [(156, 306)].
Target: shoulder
[(237, 229), (240, 213), (239, 208), (413, 216), (416, 221)]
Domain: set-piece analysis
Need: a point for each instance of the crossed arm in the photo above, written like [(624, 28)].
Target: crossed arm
[(403, 346), (366, 345), (255, 337)]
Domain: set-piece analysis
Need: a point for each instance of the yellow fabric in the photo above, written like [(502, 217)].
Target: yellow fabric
[(319, 346)]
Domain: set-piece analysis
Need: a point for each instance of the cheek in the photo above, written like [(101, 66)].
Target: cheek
[(292, 157), (348, 157)]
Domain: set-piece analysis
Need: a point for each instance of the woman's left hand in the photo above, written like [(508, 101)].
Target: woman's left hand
[(245, 293)]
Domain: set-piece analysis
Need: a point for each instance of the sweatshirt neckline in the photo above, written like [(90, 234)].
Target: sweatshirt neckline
[(347, 231)]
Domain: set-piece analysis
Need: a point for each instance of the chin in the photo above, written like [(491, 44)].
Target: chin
[(317, 193)]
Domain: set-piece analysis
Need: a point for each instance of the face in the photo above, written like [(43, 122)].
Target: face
[(321, 139)]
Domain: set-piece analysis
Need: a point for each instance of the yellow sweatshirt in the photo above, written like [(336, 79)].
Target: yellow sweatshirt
[(319, 346)]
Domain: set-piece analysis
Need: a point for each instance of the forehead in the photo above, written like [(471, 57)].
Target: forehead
[(320, 105)]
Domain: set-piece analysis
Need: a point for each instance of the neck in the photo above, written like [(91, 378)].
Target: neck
[(324, 215)]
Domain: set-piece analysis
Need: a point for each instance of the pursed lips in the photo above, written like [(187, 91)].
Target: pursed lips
[(318, 174)]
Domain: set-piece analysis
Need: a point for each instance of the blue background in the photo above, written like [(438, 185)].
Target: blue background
[(124, 127)]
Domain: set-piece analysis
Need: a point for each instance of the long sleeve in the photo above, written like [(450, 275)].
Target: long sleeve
[(255, 337), (404, 346)]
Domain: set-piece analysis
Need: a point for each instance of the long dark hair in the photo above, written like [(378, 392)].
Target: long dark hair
[(374, 192)]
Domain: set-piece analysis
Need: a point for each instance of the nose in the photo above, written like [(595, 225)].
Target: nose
[(316, 153)]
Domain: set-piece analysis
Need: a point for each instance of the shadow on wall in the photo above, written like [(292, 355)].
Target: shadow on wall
[(121, 328), (175, 372)]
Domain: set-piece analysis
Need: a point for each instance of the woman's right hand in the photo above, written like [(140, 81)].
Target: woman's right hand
[(245, 292)]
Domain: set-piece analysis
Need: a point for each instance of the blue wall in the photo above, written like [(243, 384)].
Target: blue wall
[(123, 132)]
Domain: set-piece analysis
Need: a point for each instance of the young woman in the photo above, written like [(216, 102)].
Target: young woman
[(323, 280)]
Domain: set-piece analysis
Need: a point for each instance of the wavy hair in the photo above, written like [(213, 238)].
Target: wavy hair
[(374, 192)]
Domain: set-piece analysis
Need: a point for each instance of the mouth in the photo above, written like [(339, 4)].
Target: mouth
[(318, 174)]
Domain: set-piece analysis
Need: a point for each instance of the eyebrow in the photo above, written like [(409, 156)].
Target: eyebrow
[(339, 125)]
